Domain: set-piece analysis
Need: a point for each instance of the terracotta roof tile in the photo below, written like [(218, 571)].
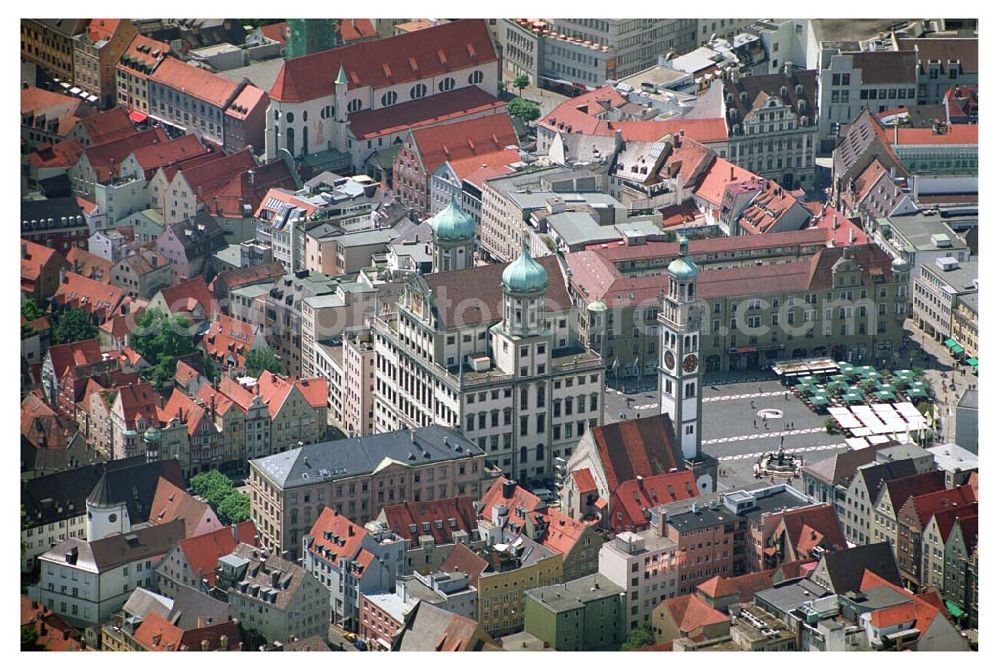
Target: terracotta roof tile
[(954, 134), (54, 634), (155, 633), (631, 497), (89, 265), (63, 154), (112, 124), (447, 47), (410, 520), (464, 560), (196, 82), (464, 139), (106, 158), (561, 532), (228, 341), (38, 102), (179, 297), (248, 101), (138, 57), (203, 552), (171, 502), (334, 533), (637, 447), (584, 481), (689, 613), (743, 586), (434, 109), (719, 175), (98, 298), (155, 156)]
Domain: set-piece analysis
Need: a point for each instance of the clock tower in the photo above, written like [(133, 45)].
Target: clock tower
[(680, 365)]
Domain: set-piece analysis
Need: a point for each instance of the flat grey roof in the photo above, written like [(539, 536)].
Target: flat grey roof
[(574, 594)]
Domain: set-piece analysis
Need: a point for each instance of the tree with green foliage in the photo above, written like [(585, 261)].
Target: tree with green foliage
[(212, 486), (524, 109), (72, 325), (671, 236), (262, 359), (162, 339), (29, 638), (221, 494), (30, 309), (521, 82), (639, 638), (234, 508), (830, 425)]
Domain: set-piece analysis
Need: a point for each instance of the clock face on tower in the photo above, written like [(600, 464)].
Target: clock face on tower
[(668, 360), (690, 363)]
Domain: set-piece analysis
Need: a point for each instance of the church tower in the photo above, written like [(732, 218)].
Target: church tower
[(105, 515), (680, 364), (306, 36), (454, 238)]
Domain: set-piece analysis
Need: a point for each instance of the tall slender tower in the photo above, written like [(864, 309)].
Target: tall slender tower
[(306, 36), (680, 365), (105, 515)]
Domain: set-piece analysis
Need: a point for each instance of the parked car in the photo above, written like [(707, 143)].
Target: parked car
[(360, 645)]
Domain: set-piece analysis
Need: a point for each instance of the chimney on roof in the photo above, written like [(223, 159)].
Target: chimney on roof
[(236, 534), (732, 173), (638, 479)]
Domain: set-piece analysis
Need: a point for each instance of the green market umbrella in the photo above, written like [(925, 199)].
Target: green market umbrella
[(885, 395), (916, 393), (820, 401)]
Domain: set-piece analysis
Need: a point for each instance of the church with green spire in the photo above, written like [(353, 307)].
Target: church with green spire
[(307, 36)]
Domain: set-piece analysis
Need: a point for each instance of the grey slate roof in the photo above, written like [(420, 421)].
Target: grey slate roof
[(875, 476), (361, 455), (847, 567), (63, 495), (116, 550)]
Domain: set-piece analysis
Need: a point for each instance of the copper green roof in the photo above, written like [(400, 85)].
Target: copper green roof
[(525, 275), (452, 224)]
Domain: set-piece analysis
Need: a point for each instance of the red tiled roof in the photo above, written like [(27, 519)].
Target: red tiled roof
[(185, 409), (637, 447), (434, 52), (194, 81), (899, 490), (74, 354), (246, 102), (464, 139), (561, 531), (228, 338), (232, 389), (171, 502), (106, 158), (433, 109), (925, 506), (102, 29), (767, 207), (39, 102), (630, 498), (63, 154), (179, 297), (843, 231), (155, 156), (144, 56), (38, 256), (54, 634), (477, 169), (462, 559), (157, 634), (584, 481), (690, 613), (345, 536), (203, 552), (719, 175), (139, 401), (274, 390), (808, 527), (425, 516), (42, 426), (109, 125), (356, 29), (953, 134), (743, 586), (86, 205), (276, 197), (98, 298), (89, 265), (276, 31)]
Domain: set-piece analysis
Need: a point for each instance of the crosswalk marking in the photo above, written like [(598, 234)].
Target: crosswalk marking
[(782, 433), (824, 447), (743, 396)]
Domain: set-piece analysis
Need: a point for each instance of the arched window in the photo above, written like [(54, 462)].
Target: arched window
[(290, 140), (289, 117), (446, 84), (476, 77), (418, 91), (388, 98), (355, 105)]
